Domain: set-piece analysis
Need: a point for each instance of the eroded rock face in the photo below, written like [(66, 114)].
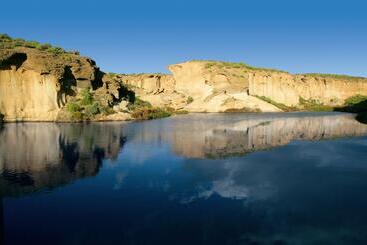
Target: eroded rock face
[(35, 85), (288, 89), (209, 86)]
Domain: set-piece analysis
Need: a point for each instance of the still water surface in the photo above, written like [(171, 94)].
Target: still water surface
[(296, 178)]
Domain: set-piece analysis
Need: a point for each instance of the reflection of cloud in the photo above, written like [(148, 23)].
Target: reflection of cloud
[(230, 138), (119, 180)]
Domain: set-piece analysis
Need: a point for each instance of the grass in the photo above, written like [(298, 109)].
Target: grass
[(333, 76), (281, 106), (354, 100), (355, 104), (238, 65), (313, 105), (149, 113), (6, 42), (85, 107), (244, 109)]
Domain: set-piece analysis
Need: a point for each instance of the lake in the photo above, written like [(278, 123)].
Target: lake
[(269, 178)]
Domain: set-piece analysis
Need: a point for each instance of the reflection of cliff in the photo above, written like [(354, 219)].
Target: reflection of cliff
[(199, 139), (34, 156)]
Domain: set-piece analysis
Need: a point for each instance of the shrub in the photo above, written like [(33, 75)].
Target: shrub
[(5, 37), (1, 117), (181, 112), (73, 107), (189, 100), (355, 100), (91, 110), (355, 104), (243, 109), (45, 46), (86, 97), (313, 105), (276, 104), (56, 50), (148, 113), (138, 103)]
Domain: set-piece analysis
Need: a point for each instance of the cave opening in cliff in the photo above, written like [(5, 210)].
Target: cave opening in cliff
[(68, 82), (16, 60)]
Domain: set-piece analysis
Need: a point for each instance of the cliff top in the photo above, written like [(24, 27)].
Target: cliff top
[(50, 59), (240, 68), (44, 58)]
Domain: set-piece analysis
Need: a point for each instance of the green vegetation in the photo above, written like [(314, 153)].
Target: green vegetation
[(92, 110), (6, 42), (180, 112), (85, 107), (73, 107), (148, 113), (355, 100), (138, 104), (333, 76), (276, 104), (313, 105), (86, 97), (355, 104), (244, 109), (189, 100), (143, 110), (238, 65)]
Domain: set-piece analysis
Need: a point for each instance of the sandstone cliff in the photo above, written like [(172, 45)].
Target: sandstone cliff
[(36, 82), (212, 86), (39, 82)]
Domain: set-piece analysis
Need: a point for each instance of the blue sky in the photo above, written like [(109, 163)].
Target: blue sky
[(146, 36)]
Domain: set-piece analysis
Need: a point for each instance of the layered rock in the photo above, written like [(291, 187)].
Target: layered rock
[(289, 89), (35, 85), (214, 86), (37, 81)]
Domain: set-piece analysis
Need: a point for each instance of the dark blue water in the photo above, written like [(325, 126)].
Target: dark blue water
[(195, 179)]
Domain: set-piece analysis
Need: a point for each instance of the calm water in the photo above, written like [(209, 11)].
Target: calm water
[(194, 179)]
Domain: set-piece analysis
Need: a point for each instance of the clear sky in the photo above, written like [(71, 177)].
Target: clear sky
[(327, 36)]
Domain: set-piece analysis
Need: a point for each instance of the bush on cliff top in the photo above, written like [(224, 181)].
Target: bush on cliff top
[(238, 65), (6, 42), (333, 76)]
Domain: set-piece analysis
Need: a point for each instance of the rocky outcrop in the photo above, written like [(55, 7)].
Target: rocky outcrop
[(211, 86), (35, 85), (158, 89), (288, 89), (37, 81)]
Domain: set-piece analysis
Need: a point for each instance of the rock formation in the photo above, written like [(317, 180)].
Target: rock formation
[(37, 81), (214, 86)]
